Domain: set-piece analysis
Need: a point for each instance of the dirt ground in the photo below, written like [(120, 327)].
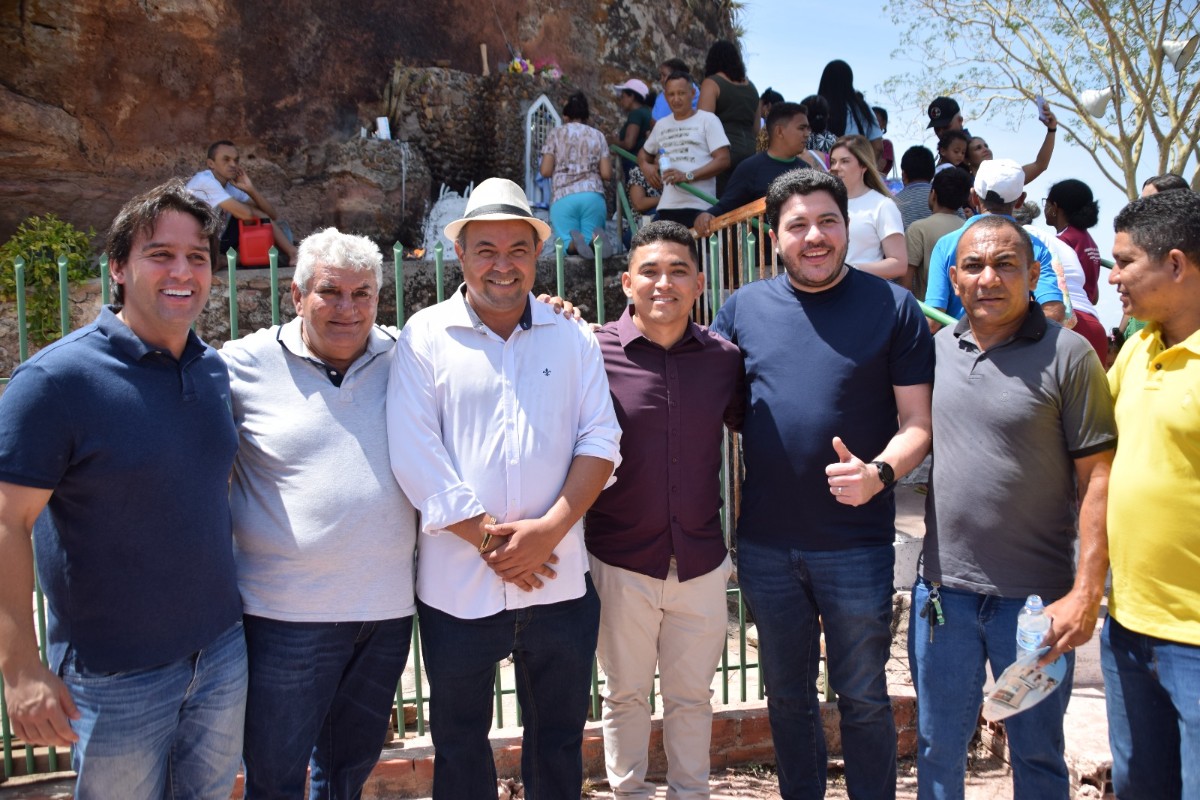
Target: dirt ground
[(989, 778)]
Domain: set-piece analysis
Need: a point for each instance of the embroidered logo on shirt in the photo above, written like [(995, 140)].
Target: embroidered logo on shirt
[(546, 372)]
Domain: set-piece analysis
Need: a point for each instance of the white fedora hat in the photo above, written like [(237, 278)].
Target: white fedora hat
[(498, 199)]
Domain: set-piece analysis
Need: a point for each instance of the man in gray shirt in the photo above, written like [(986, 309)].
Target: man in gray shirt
[(324, 537), (1023, 436)]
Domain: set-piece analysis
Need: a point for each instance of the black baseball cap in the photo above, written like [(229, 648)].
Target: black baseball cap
[(941, 112)]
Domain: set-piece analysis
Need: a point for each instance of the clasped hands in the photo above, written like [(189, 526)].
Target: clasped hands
[(519, 552)]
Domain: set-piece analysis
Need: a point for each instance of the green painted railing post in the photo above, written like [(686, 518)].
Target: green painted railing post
[(714, 273), (418, 690), (64, 297), (748, 251), (22, 323), (231, 260), (596, 690), (273, 262), (725, 662), (105, 289), (439, 269), (5, 734), (398, 268), (937, 316), (499, 700), (626, 209), (560, 265), (742, 677), (598, 251), (40, 605)]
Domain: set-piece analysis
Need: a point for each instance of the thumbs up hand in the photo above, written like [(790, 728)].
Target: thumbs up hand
[(852, 481)]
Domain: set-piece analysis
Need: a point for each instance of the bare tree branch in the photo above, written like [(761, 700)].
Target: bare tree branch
[(1006, 52)]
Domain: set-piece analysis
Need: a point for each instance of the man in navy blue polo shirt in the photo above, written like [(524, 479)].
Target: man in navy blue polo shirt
[(115, 450), (838, 363)]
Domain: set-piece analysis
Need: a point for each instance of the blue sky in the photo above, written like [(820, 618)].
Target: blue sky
[(787, 45)]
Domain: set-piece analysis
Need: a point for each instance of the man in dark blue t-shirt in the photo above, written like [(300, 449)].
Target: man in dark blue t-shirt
[(838, 363), (787, 129), (116, 445)]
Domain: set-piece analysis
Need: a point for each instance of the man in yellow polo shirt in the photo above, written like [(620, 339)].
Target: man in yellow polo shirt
[(1151, 641)]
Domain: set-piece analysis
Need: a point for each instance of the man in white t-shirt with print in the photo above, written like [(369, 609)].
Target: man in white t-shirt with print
[(227, 187), (698, 150)]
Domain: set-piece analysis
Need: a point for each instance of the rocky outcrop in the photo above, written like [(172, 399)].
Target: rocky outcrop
[(100, 100)]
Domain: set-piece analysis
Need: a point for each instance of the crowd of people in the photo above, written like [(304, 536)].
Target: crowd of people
[(233, 544)]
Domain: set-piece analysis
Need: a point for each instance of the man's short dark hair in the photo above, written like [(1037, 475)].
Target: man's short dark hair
[(952, 187), (804, 182), (781, 114), (994, 203), (677, 65), (215, 146), (140, 215), (1168, 182), (917, 163), (1163, 222), (664, 231), (677, 76), (997, 221)]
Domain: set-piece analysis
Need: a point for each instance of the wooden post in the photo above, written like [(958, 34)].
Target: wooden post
[(483, 57)]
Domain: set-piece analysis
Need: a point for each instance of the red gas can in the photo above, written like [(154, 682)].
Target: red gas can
[(255, 238)]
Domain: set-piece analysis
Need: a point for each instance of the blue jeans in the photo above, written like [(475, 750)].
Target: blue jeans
[(552, 646), (320, 692), (168, 731), (850, 591), (949, 675), (1152, 689)]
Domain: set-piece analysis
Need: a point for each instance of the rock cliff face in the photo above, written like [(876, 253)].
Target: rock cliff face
[(100, 100)]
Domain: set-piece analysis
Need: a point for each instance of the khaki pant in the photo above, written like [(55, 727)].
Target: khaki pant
[(681, 628)]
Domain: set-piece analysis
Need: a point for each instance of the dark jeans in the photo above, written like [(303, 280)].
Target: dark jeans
[(552, 646), (850, 591), (1152, 690), (949, 675), (320, 692)]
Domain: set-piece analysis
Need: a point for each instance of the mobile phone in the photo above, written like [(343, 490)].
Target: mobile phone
[(1040, 102)]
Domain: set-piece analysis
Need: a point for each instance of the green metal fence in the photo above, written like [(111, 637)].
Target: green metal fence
[(736, 254), (738, 678)]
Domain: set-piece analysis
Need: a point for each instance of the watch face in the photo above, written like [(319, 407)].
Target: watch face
[(886, 473)]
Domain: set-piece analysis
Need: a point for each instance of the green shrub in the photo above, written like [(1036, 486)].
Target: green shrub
[(40, 241)]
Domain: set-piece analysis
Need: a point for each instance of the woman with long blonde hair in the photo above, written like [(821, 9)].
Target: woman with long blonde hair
[(876, 228)]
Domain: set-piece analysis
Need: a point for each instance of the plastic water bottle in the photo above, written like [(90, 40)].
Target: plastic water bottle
[(664, 161), (1032, 624)]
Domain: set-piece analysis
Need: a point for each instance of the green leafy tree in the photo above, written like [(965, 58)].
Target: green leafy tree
[(40, 241), (1001, 52)]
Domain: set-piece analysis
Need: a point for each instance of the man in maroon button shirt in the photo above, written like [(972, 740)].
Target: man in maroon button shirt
[(657, 553)]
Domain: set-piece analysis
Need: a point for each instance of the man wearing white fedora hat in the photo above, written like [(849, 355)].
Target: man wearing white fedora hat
[(502, 433)]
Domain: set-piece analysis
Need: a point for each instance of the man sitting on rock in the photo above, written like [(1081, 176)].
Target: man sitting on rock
[(227, 187)]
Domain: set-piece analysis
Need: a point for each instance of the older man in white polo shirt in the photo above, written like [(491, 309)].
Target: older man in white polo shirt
[(502, 433)]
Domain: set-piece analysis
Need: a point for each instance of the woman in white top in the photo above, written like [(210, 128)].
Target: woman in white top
[(876, 228)]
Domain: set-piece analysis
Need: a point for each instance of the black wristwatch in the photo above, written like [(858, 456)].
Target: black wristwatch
[(886, 473)]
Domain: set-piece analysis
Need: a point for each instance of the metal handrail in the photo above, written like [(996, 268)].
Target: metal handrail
[(684, 185)]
